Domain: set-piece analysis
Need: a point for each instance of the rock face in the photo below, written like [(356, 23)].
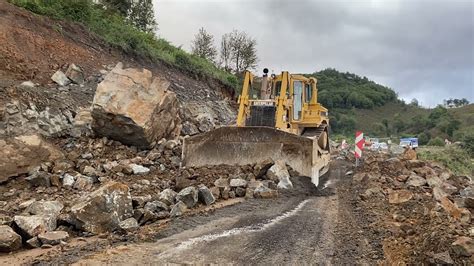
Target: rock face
[(9, 240), (134, 108), (104, 209)]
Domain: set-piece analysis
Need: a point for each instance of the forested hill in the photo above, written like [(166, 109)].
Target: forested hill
[(347, 90)]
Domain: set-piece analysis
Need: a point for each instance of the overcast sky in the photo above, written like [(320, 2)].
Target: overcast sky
[(422, 49)]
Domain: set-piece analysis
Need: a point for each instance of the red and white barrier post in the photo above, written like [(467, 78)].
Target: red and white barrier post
[(359, 146)]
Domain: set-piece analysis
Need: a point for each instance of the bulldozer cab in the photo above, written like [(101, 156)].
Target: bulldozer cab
[(286, 102)]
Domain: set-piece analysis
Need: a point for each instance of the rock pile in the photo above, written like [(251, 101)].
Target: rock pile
[(431, 208)]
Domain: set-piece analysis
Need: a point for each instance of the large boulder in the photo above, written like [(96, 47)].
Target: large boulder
[(134, 108), (22, 154), (103, 210), (9, 240)]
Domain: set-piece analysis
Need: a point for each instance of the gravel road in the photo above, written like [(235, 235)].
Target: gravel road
[(305, 225)]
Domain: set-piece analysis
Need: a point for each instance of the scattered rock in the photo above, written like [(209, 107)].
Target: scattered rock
[(140, 201), (147, 112), (128, 224), (279, 172), (178, 209), (238, 182), (168, 196), (139, 169), (463, 246), (399, 196), (5, 220), (60, 78), (27, 84), (373, 192), (240, 192), (265, 192), (9, 240), (156, 206), (33, 242), (53, 238), (261, 168), (52, 208), (68, 180), (188, 196), (31, 226), (26, 204), (75, 74), (102, 210), (205, 195), (221, 182), (415, 180)]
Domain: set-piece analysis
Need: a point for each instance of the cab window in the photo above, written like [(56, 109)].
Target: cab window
[(308, 93)]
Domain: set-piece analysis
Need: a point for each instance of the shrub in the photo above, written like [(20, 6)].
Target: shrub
[(452, 157), (468, 143), (436, 142), (118, 31)]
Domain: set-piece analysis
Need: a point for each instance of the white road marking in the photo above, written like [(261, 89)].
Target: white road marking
[(235, 231)]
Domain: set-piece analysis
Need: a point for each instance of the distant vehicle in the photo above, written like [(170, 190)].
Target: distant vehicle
[(379, 146), (409, 142), (370, 141)]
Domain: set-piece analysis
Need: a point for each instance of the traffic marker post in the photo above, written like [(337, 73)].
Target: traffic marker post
[(359, 146)]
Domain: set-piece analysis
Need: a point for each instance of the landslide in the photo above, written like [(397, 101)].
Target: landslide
[(34, 47)]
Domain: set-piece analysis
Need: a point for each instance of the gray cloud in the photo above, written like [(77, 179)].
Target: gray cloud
[(422, 49)]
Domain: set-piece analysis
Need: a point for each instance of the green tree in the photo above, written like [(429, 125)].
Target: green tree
[(121, 6), (142, 15), (238, 51), (468, 143), (203, 45), (423, 138)]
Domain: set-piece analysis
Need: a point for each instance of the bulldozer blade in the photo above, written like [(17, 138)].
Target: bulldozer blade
[(248, 145)]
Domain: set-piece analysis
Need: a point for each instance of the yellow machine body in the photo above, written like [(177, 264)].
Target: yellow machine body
[(281, 120)]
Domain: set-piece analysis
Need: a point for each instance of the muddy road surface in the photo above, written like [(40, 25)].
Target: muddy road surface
[(305, 225)]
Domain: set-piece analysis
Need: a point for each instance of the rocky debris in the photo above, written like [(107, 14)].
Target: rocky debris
[(464, 246), (31, 226), (237, 182), (205, 195), (134, 108), (156, 206), (102, 210), (262, 167), (68, 180), (140, 201), (5, 220), (60, 78), (33, 242), (53, 238), (415, 180), (24, 154), (81, 126), (409, 154), (28, 84), (178, 209), (399, 196), (52, 208), (188, 196), (168, 196), (9, 240), (265, 192), (128, 224), (75, 74), (279, 172), (139, 169), (419, 208)]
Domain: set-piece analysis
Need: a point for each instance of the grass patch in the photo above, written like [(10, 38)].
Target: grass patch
[(452, 157), (117, 31)]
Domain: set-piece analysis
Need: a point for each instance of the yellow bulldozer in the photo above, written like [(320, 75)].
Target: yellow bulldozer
[(281, 119)]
